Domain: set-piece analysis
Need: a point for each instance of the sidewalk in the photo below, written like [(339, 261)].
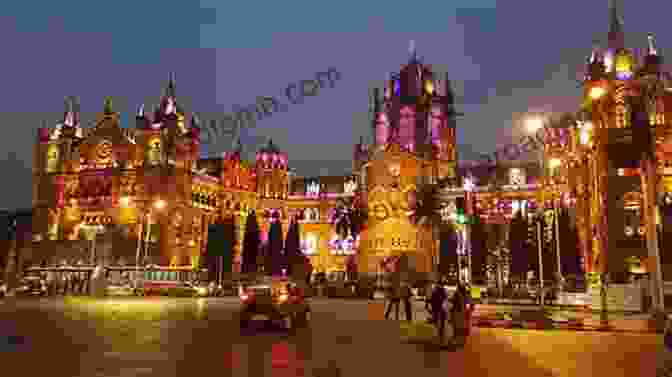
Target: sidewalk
[(528, 318)]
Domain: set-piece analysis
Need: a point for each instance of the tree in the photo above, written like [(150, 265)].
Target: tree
[(293, 255), (227, 252), (518, 234), (479, 250), (447, 250), (274, 258), (427, 209), (570, 252), (251, 244)]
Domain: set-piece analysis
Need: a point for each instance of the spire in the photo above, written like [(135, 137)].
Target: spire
[(69, 117), (412, 52), (375, 101), (450, 96), (651, 49), (596, 66), (616, 38), (141, 111), (238, 146), (170, 90), (107, 107)]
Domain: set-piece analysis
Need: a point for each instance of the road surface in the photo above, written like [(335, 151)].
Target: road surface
[(200, 337)]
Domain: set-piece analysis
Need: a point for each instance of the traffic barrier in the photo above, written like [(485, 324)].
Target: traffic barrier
[(573, 325)]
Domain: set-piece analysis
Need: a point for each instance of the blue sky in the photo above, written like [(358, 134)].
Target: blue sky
[(506, 58)]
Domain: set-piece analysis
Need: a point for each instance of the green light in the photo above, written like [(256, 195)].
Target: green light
[(460, 219)]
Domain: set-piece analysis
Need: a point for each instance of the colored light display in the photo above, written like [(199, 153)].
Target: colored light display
[(345, 246), (309, 244)]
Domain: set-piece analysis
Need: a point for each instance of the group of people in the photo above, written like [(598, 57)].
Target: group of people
[(440, 306), (458, 308)]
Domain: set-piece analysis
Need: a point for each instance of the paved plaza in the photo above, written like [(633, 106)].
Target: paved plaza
[(182, 337)]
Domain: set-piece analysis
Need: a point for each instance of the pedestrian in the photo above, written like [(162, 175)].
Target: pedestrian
[(50, 282), (469, 309), (393, 298), (428, 302), (439, 312), (75, 283), (664, 365), (457, 315), (66, 283), (406, 295)]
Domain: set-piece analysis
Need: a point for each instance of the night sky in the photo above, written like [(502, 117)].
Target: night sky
[(505, 60)]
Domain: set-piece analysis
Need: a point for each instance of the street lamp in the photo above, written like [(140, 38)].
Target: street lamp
[(596, 92), (534, 124), (159, 204), (554, 163)]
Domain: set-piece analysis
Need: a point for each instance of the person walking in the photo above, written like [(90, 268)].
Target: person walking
[(468, 309), (393, 298), (406, 295), (664, 364), (439, 313), (458, 315)]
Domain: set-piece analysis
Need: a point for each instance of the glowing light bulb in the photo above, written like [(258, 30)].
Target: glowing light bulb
[(597, 92)]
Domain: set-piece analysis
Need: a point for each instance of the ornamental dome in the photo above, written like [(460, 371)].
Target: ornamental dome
[(270, 156)]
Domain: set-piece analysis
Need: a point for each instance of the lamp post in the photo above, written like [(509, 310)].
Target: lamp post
[(555, 163), (534, 125), (596, 93), (158, 204)]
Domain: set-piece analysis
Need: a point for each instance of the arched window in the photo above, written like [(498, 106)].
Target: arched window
[(154, 151)]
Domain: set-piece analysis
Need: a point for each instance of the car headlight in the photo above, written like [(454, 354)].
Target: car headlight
[(201, 290), (283, 297)]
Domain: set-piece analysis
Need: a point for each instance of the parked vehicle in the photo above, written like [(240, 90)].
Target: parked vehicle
[(273, 299)]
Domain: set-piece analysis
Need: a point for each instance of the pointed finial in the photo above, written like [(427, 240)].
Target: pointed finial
[(68, 104), (107, 107), (239, 144), (411, 50), (616, 40), (595, 54), (141, 110), (652, 50), (170, 90)]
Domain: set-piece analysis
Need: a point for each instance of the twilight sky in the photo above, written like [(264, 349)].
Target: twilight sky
[(505, 59)]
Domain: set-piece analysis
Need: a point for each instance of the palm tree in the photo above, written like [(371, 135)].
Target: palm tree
[(448, 250), (427, 209)]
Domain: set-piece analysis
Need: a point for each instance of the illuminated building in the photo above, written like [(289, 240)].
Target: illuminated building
[(414, 135), (115, 182), (602, 170)]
